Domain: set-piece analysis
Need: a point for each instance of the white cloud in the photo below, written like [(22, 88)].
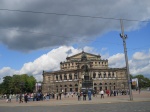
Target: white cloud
[(7, 71), (140, 63), (141, 56), (47, 62), (51, 61), (117, 60), (143, 70)]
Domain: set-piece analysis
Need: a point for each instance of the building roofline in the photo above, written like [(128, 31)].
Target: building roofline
[(82, 53)]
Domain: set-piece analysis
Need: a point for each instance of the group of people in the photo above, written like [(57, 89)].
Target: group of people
[(116, 92), (9, 96), (58, 95), (22, 98), (18, 96), (101, 93), (84, 94)]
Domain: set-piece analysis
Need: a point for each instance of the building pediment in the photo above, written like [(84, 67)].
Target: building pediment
[(84, 55)]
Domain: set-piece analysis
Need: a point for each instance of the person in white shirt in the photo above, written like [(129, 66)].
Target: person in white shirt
[(102, 93)]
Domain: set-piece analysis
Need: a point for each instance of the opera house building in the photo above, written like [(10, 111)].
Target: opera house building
[(84, 71)]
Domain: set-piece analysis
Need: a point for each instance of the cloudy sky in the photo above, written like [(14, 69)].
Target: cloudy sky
[(36, 35)]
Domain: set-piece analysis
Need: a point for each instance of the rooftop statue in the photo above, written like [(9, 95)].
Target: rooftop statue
[(83, 57)]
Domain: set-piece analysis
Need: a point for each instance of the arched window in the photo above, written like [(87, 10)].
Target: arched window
[(100, 83), (70, 88), (70, 76), (56, 77), (114, 83), (99, 75), (94, 75), (85, 68), (113, 74), (95, 84), (65, 77), (57, 88), (76, 85), (104, 75), (109, 83), (105, 83), (75, 76)]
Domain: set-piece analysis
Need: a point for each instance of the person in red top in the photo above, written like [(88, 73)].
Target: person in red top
[(107, 92)]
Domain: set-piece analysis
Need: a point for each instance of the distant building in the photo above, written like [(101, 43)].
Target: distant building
[(38, 86), (84, 71)]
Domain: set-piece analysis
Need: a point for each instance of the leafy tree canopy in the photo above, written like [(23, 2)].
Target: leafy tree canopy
[(17, 83), (142, 81)]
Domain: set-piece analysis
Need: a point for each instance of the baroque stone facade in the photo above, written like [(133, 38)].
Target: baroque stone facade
[(82, 71)]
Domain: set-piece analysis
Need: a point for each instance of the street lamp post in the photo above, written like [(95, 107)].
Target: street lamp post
[(124, 37)]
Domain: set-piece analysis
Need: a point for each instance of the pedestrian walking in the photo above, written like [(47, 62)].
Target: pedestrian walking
[(102, 93), (20, 98), (60, 95), (107, 92), (26, 98), (89, 95), (84, 95), (57, 95), (7, 96), (79, 95), (10, 98)]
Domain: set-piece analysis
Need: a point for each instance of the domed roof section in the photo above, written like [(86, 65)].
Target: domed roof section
[(83, 57)]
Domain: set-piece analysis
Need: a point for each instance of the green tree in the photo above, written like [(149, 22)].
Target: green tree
[(131, 76), (6, 85), (27, 83), (17, 83), (143, 81)]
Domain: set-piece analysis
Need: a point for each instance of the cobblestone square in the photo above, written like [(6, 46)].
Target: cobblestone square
[(119, 103)]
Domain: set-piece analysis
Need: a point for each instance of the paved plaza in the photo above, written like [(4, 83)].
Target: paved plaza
[(140, 103), (111, 107)]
